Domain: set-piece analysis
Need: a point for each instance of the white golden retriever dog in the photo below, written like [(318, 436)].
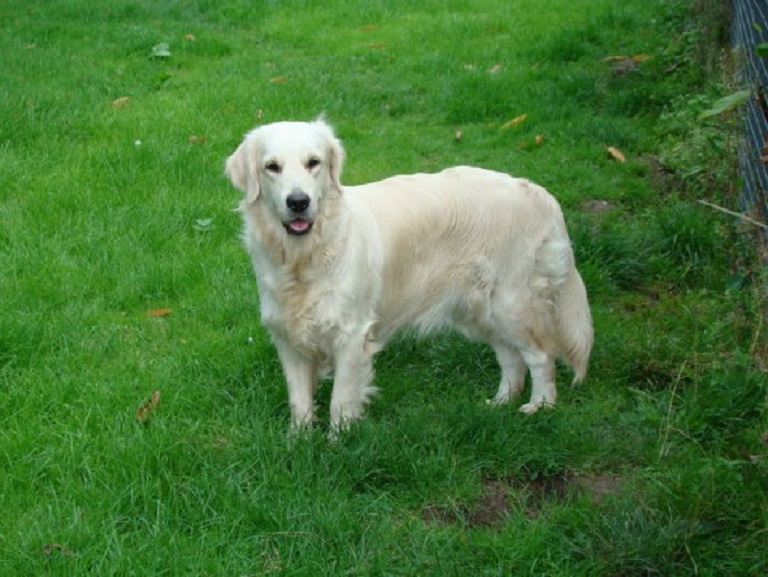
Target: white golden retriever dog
[(341, 268)]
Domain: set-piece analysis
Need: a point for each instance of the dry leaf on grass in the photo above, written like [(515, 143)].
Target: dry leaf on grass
[(458, 136), (144, 412), (157, 313), (616, 154), (635, 58), (277, 79), (120, 102), (516, 121)]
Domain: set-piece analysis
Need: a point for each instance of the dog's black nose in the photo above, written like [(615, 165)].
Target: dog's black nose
[(297, 201)]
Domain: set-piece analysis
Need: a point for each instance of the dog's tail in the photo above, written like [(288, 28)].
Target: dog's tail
[(574, 324)]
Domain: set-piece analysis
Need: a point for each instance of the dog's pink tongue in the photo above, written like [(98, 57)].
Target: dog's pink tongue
[(299, 225)]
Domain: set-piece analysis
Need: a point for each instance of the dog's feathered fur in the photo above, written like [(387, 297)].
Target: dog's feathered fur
[(341, 268)]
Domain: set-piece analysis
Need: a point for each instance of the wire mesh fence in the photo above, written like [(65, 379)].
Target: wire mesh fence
[(749, 34)]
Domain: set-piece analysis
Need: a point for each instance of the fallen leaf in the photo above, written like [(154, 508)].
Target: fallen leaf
[(190, 37), (516, 121), (494, 69), (726, 104), (369, 27), (204, 225), (194, 139), (458, 136), (616, 154), (157, 313), (277, 79), (614, 58), (162, 50), (144, 412), (641, 57), (120, 102), (539, 139)]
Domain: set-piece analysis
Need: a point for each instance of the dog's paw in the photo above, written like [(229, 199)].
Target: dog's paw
[(531, 408), (497, 401), (503, 397)]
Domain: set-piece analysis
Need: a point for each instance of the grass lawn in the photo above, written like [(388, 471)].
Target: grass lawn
[(122, 274)]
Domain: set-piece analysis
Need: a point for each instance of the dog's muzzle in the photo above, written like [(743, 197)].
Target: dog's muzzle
[(298, 202)]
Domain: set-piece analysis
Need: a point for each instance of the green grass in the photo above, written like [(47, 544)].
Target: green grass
[(109, 212)]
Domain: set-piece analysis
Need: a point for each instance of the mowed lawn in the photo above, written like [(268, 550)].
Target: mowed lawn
[(143, 415)]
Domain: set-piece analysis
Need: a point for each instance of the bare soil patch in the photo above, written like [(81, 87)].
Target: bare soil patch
[(503, 497)]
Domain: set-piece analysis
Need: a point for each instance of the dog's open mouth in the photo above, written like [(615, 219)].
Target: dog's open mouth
[(298, 226)]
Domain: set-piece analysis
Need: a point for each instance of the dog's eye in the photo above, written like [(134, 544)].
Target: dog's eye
[(272, 166), (313, 163)]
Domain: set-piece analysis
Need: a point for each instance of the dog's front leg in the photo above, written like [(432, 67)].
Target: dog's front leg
[(300, 373), (351, 384)]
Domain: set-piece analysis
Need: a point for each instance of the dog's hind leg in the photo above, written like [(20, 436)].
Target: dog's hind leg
[(543, 391), (513, 370)]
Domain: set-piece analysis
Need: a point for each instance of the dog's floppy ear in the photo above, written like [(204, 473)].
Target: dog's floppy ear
[(238, 170), (336, 151)]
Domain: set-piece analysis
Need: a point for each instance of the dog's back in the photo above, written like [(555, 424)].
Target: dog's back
[(479, 251)]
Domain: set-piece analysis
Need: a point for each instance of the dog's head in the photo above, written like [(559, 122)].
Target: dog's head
[(291, 167)]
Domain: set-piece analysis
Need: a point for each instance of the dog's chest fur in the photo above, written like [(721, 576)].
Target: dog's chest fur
[(306, 302), (291, 303)]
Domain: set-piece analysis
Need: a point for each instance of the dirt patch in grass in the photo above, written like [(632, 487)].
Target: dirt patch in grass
[(596, 206), (502, 497)]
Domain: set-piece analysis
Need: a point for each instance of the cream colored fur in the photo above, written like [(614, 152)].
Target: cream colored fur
[(470, 249)]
